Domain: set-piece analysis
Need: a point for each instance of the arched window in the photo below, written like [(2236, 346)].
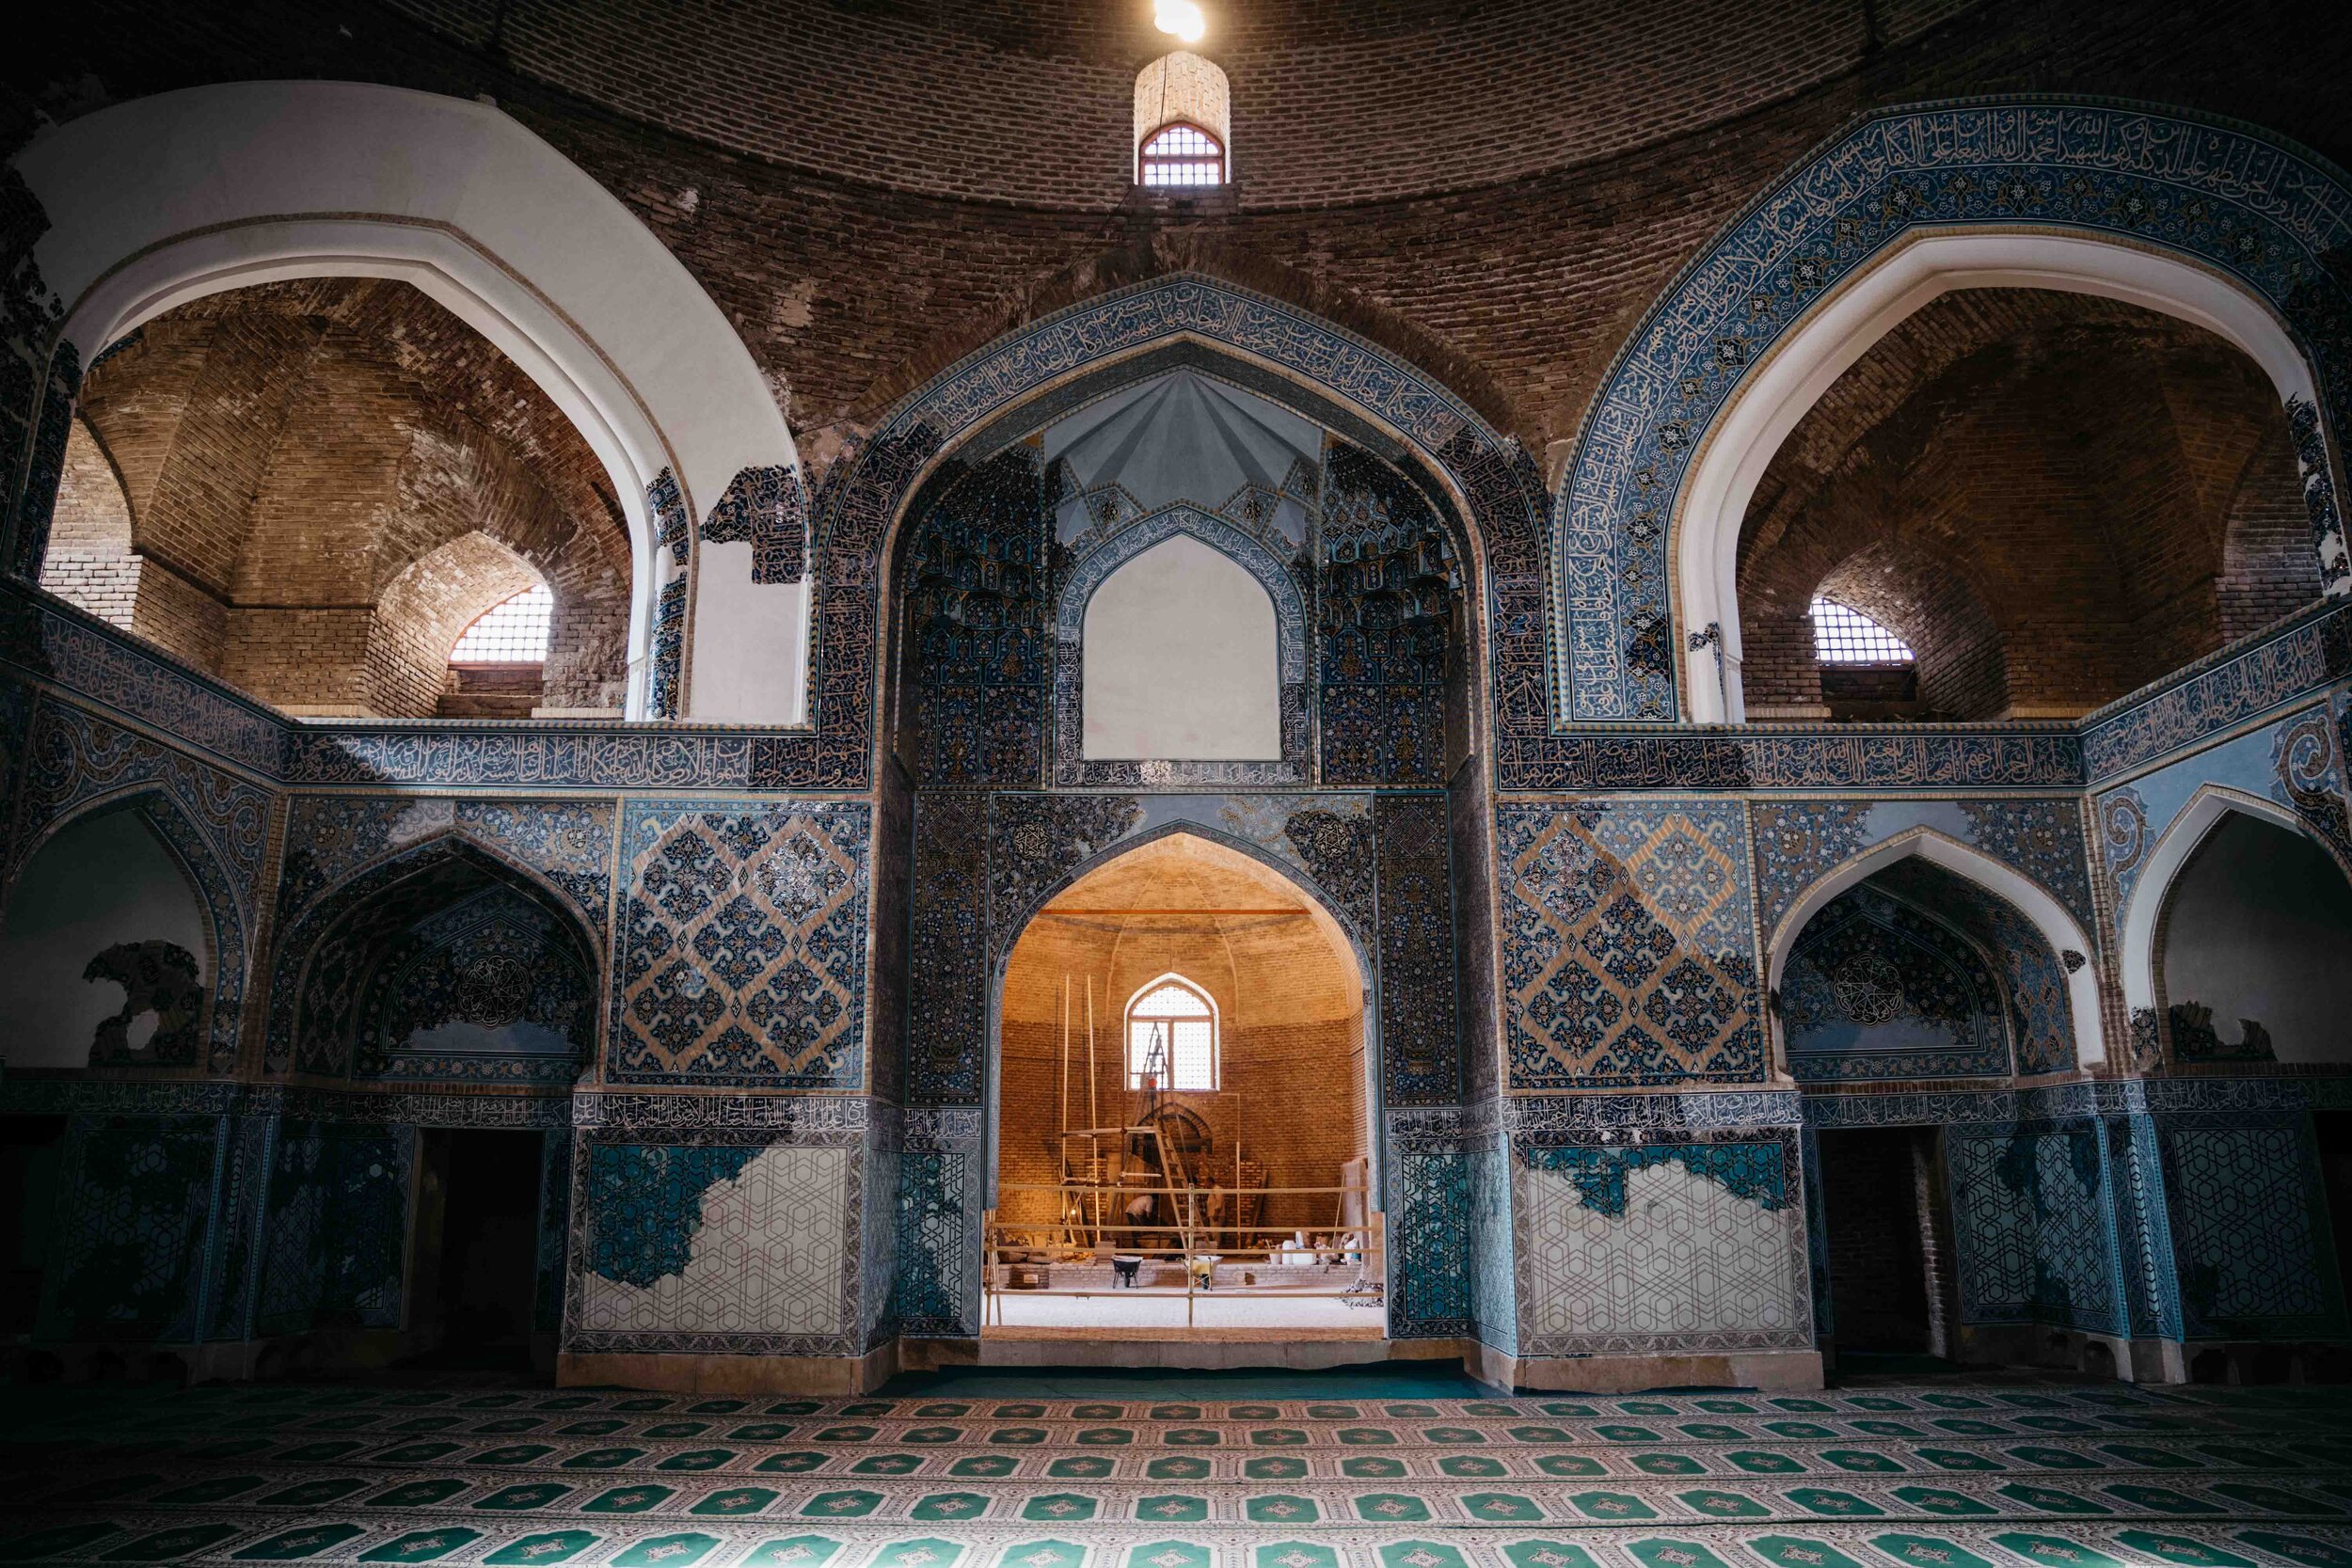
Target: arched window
[(513, 631), (1182, 155), (1171, 1035), (1183, 123), (1842, 635)]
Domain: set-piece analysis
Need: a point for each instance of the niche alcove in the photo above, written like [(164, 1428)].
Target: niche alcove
[(1220, 1109)]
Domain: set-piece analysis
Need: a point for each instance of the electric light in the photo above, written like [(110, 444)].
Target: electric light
[(1180, 17)]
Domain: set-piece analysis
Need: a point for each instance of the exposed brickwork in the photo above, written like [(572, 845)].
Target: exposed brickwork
[(1291, 1091), (1515, 291), (89, 560), (328, 480), (2036, 491), (949, 100)]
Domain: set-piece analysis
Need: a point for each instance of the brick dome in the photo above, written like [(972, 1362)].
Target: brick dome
[(1029, 100)]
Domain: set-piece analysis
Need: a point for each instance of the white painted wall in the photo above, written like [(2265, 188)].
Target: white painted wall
[(1181, 661), (102, 880), (2260, 927), (751, 642)]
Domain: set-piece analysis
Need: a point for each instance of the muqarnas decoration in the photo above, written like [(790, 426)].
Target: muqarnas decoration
[(1385, 619), (979, 652)]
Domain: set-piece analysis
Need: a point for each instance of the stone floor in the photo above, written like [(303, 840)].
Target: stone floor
[(1186, 1473)]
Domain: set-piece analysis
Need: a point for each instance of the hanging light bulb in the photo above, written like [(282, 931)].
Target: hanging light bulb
[(1180, 17)]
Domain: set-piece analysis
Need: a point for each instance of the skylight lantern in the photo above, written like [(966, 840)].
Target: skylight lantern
[(1182, 18)]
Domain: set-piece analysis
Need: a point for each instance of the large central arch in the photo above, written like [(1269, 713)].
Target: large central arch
[(1313, 943), (1491, 483)]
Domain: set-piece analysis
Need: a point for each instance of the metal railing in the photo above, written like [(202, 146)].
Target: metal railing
[(1186, 1239)]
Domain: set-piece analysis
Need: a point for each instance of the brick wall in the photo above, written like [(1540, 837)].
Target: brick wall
[(2050, 497), (1515, 285), (327, 479), (89, 561)]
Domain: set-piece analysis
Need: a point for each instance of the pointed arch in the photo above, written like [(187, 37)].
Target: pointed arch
[(162, 199), (308, 978), (2208, 221), (1072, 765), (204, 871), (1485, 481), (2029, 897), (1153, 990), (2142, 918)]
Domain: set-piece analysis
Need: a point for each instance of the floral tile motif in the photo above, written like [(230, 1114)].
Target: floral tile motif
[(1627, 938), (740, 960)]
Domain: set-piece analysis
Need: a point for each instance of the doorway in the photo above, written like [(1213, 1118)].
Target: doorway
[(1881, 1217), (1183, 1146), (478, 1235)]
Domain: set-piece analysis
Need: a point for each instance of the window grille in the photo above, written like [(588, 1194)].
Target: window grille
[(1842, 635), (513, 631), (1171, 1037), (1181, 154)]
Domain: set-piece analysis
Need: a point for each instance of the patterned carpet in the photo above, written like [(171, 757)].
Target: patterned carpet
[(1941, 1475)]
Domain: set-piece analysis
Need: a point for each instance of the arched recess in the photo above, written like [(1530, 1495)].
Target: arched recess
[(517, 1000), (1330, 920), (2029, 897), (981, 403), (170, 198), (1285, 978), (152, 978), (2142, 920), (1073, 627), (2207, 222)]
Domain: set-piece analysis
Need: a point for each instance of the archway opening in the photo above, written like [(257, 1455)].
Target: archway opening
[(108, 951), (1198, 1163), (2054, 497), (2256, 949), (308, 489), (1919, 975)]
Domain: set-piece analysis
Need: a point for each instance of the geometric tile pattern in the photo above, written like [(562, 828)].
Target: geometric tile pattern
[(1682, 1263), (337, 1227), (2030, 1215), (1627, 944), (2249, 1228), (746, 1250), (937, 1284), (2217, 194), (741, 953), (130, 1228), (1954, 1475)]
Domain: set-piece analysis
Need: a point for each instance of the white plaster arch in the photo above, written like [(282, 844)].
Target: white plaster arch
[(2021, 891), (2144, 917), (1841, 327), (163, 199)]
